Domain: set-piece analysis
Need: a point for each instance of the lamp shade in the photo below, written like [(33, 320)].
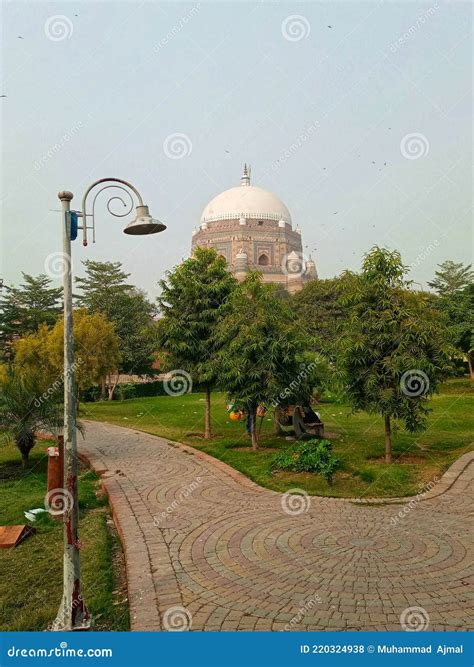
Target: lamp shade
[(144, 223)]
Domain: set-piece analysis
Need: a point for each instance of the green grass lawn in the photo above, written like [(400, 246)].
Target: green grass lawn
[(31, 581), (357, 440)]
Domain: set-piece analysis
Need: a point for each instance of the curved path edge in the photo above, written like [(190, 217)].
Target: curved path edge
[(441, 484)]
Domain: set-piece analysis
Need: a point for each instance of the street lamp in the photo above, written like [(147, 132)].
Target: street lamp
[(73, 614)]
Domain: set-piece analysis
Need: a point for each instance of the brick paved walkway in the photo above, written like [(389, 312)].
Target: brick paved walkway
[(208, 549)]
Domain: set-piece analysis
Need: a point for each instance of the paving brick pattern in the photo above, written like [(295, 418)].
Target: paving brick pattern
[(207, 549)]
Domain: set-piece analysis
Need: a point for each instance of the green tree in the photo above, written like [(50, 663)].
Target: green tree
[(321, 313), (24, 308), (458, 307), (96, 351), (454, 283), (452, 277), (192, 301), (26, 409), (394, 349), (104, 289), (261, 349)]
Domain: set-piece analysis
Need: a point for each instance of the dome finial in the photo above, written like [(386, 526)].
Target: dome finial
[(245, 179)]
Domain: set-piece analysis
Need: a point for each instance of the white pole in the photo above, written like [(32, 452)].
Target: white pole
[(72, 614)]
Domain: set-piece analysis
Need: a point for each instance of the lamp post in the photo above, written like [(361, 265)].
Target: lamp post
[(73, 613)]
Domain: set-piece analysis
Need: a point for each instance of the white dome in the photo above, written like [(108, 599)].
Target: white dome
[(246, 201)]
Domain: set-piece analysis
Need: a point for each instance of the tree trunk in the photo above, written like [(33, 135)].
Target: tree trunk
[(469, 363), (102, 389), (207, 417), (254, 429), (25, 444), (276, 421), (388, 440), (112, 385)]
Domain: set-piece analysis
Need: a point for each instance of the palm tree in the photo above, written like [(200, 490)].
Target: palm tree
[(26, 409)]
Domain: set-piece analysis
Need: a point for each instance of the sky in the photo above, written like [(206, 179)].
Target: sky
[(356, 114)]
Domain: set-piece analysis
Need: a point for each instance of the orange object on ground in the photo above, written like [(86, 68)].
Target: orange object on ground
[(11, 536)]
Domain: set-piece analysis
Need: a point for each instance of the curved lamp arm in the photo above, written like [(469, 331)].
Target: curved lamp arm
[(117, 184)]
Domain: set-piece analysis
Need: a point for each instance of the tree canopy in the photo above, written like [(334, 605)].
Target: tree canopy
[(394, 350), (261, 348), (24, 308), (452, 277), (192, 302), (321, 313), (96, 349), (104, 289)]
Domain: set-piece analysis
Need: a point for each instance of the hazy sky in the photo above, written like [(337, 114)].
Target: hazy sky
[(357, 115)]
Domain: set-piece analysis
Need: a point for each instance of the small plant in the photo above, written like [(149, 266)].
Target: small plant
[(126, 391), (310, 456)]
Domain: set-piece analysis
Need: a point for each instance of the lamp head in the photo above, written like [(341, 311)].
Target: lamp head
[(144, 223)]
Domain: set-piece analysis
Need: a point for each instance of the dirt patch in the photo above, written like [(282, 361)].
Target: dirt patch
[(405, 459), (249, 449)]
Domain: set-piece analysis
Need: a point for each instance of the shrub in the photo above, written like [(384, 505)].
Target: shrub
[(309, 456), (125, 391)]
